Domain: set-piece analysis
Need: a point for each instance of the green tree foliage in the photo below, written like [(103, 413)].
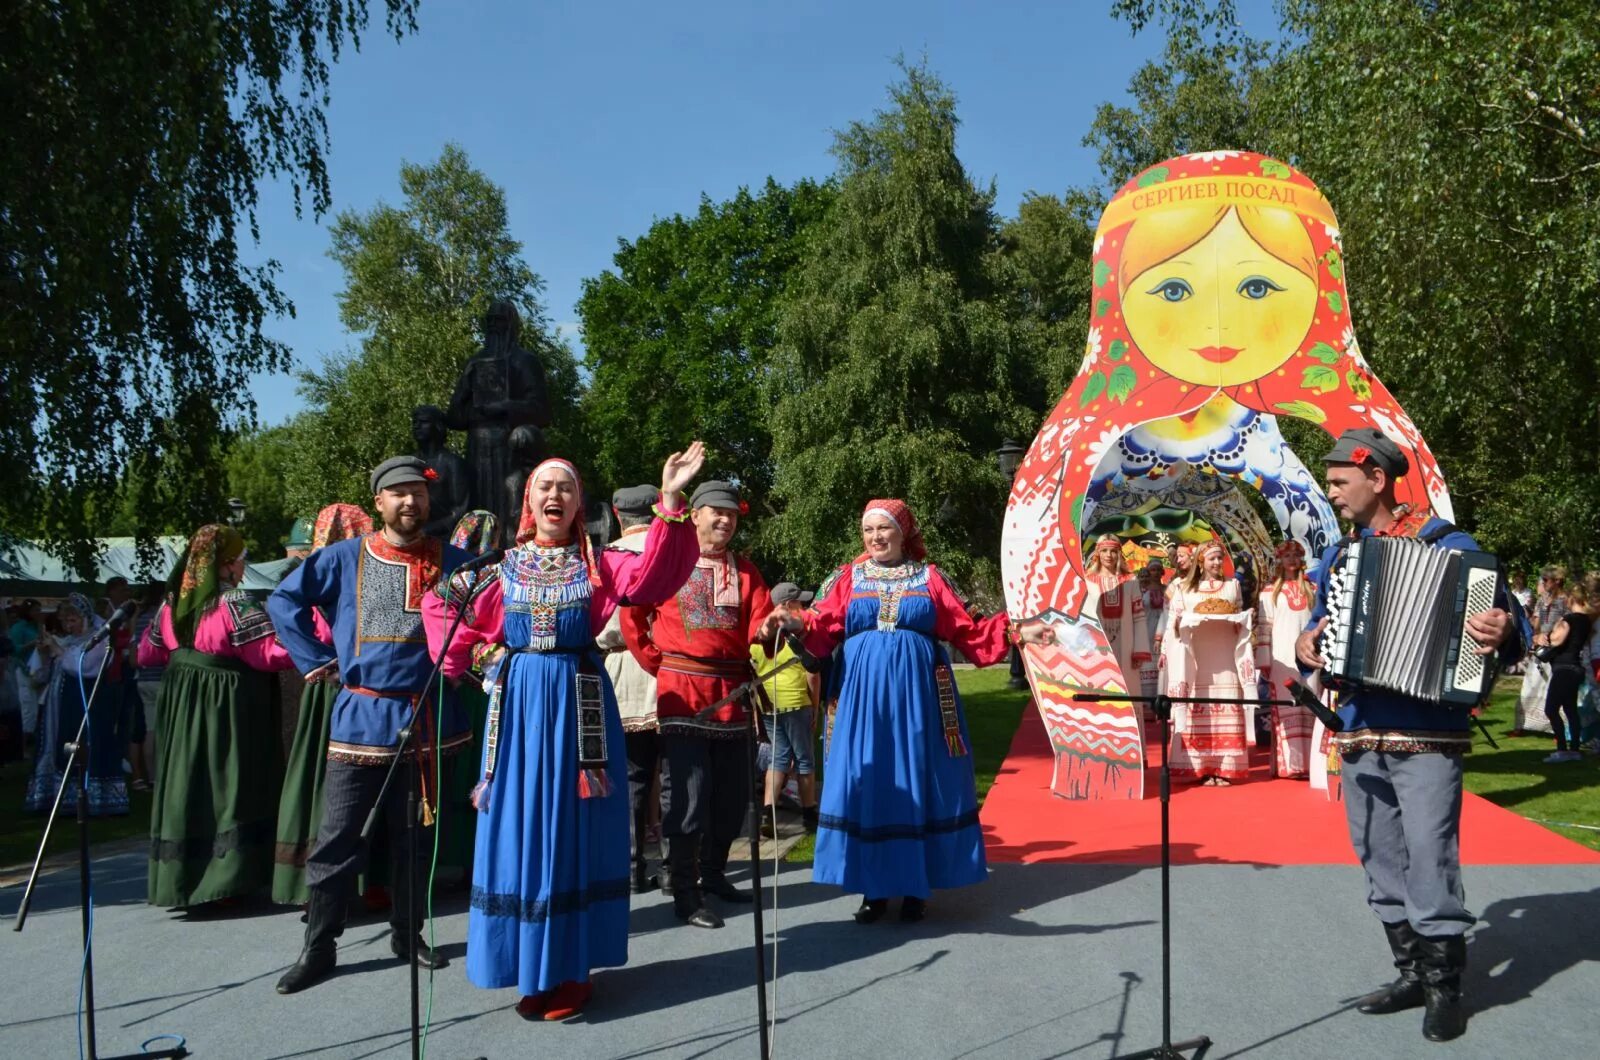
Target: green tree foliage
[(256, 464), (134, 140), (899, 368), (418, 278), (677, 336), (1460, 145), (1045, 251)]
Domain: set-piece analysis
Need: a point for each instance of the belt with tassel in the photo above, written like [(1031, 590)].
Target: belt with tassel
[(593, 777)]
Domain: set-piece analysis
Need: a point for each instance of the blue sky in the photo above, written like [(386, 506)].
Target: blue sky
[(599, 117)]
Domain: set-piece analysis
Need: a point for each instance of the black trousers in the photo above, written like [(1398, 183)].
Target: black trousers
[(705, 792), (644, 754), (339, 856), (1562, 697)]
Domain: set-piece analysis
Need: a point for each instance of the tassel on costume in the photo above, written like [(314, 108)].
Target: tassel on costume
[(593, 779), (949, 712)]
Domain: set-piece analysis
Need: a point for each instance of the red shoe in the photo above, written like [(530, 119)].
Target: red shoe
[(533, 1008), (568, 1000)]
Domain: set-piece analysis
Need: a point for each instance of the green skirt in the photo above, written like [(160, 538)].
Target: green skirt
[(300, 807), (458, 821), (219, 765)]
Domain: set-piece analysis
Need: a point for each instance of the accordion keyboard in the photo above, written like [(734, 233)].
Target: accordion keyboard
[(1480, 597)]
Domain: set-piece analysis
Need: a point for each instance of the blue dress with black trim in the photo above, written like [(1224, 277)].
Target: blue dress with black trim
[(899, 811), (550, 874)]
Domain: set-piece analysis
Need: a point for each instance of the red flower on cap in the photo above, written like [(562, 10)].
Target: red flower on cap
[(1360, 454), (744, 507), (430, 474)]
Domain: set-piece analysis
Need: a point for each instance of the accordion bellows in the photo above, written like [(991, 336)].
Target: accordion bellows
[(1398, 609)]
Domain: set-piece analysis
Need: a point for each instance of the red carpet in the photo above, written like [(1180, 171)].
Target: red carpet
[(1262, 822)]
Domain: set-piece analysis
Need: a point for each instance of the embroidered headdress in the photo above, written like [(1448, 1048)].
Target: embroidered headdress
[(528, 526), (339, 522), (193, 586), (477, 532), (897, 512)]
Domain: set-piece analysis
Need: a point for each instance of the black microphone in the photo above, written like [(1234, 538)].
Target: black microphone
[(808, 662), (1312, 702), (118, 619), (486, 559)]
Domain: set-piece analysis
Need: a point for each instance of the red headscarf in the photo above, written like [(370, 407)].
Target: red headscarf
[(900, 514), (528, 524), (339, 522)]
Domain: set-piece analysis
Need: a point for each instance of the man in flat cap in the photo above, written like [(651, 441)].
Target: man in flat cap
[(369, 590), (1401, 772), (634, 685), (698, 644)]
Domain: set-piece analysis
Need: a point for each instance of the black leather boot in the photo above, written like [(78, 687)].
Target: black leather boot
[(713, 878), (687, 902), (1443, 960), (427, 956), (324, 923), (1406, 991)]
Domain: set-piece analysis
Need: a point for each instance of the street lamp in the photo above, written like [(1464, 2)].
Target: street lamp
[(1009, 458), (236, 511)]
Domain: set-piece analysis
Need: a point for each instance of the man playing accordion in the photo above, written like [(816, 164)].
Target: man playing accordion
[(1402, 756)]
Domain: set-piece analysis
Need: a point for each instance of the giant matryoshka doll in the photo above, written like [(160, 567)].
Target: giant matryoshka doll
[(1218, 299)]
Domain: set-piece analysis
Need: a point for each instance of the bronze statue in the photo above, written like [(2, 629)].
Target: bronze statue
[(447, 490), (501, 388), (527, 449)]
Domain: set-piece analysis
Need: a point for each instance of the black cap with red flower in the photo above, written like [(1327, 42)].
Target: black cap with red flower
[(1368, 445)]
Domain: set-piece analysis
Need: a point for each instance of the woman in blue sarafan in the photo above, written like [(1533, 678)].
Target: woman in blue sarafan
[(550, 870), (899, 813)]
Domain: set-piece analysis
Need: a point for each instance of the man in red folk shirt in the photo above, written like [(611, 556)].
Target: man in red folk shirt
[(698, 646)]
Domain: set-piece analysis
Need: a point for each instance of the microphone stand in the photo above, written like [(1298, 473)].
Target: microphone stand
[(747, 692), (1168, 1049), (412, 810), (77, 771)]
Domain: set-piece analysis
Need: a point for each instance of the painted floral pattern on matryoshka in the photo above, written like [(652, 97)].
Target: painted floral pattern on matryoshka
[(1218, 278), (1219, 287)]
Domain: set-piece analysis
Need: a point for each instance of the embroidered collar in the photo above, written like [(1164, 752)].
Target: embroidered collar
[(1408, 521), (902, 571), (725, 577), (421, 559)]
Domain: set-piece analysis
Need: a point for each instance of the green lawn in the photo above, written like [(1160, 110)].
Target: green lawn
[(20, 831), (1516, 777)]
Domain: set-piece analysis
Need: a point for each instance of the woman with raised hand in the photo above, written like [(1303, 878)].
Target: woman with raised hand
[(550, 870)]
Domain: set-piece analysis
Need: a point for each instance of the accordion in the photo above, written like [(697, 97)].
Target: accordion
[(1397, 614)]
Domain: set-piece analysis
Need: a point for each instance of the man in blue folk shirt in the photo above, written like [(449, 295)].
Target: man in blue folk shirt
[(1402, 757), (369, 590)]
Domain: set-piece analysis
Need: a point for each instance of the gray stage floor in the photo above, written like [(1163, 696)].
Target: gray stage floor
[(1042, 961)]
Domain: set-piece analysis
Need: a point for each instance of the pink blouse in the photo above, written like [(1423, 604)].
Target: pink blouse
[(983, 642), (645, 578), (219, 633)]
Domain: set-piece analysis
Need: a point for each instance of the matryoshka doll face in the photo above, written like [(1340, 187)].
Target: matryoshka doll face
[(1224, 310)]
